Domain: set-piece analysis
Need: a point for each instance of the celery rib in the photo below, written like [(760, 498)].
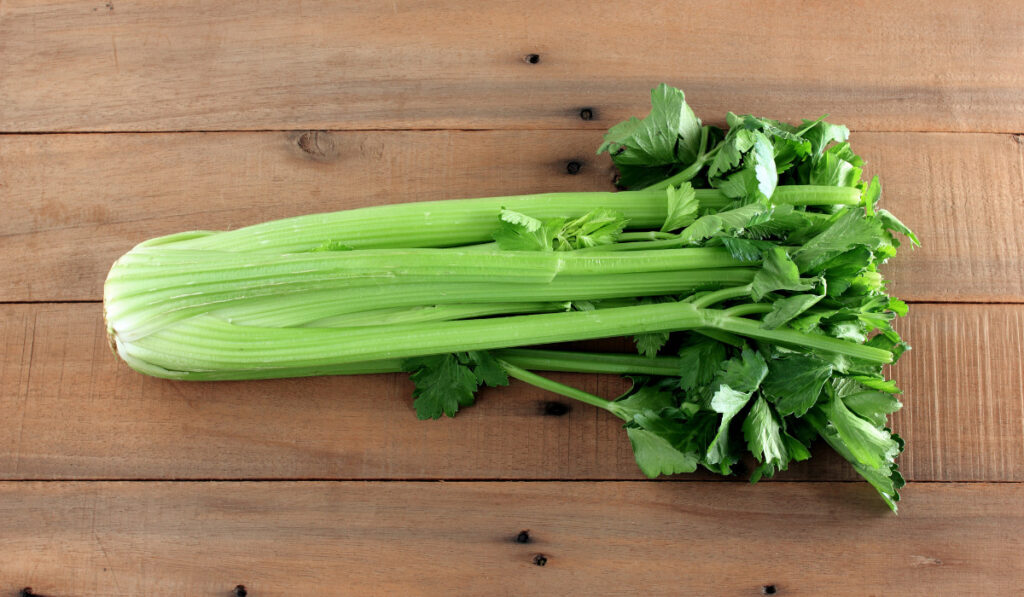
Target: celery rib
[(207, 343), (151, 287)]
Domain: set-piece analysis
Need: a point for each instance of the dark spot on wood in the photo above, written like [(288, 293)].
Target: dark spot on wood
[(27, 592), (573, 167), (615, 181), (554, 408), (110, 6), (240, 591), (540, 560), (316, 145), (768, 590), (1019, 138), (523, 537), (531, 58), (587, 114)]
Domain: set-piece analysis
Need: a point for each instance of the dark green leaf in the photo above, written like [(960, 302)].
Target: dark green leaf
[(796, 449), (779, 222), (737, 142), (741, 185), (640, 399), (682, 207), (763, 432), (836, 167), (743, 373), (810, 321), (725, 221), (840, 271), (897, 306), (873, 405), (745, 249), (823, 133), (794, 382), (778, 272), (700, 359), (446, 382), (656, 456), (869, 445), (849, 230), (727, 402), (487, 369), (885, 479), (443, 384), (761, 160), (520, 232), (889, 222), (669, 134), (650, 343), (783, 310)]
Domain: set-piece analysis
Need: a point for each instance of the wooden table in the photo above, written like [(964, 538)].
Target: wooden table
[(127, 120)]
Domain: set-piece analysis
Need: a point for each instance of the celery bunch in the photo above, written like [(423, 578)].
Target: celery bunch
[(744, 265)]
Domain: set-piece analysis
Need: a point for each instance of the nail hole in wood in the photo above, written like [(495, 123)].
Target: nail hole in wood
[(523, 537), (26, 592), (540, 560), (532, 58), (768, 590), (573, 167), (587, 114), (553, 408), (240, 591)]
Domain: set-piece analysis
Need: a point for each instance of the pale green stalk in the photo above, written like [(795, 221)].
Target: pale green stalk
[(208, 344)]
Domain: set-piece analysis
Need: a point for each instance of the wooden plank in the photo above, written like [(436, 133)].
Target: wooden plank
[(191, 65), (74, 203), (308, 538), (962, 195), (75, 413)]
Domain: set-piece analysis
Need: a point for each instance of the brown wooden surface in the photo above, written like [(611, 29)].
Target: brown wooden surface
[(284, 539), (77, 202), (335, 489), (191, 65), (76, 413)]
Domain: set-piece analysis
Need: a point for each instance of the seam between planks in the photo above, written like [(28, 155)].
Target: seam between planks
[(481, 480), (909, 302), (439, 129)]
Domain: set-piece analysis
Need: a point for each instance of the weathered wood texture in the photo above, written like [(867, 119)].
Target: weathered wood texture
[(74, 203), (308, 538), (74, 412), (924, 84), (192, 65)]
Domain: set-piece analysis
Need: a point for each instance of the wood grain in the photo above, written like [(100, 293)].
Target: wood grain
[(74, 203), (193, 65), (327, 485), (124, 539), (73, 412)]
